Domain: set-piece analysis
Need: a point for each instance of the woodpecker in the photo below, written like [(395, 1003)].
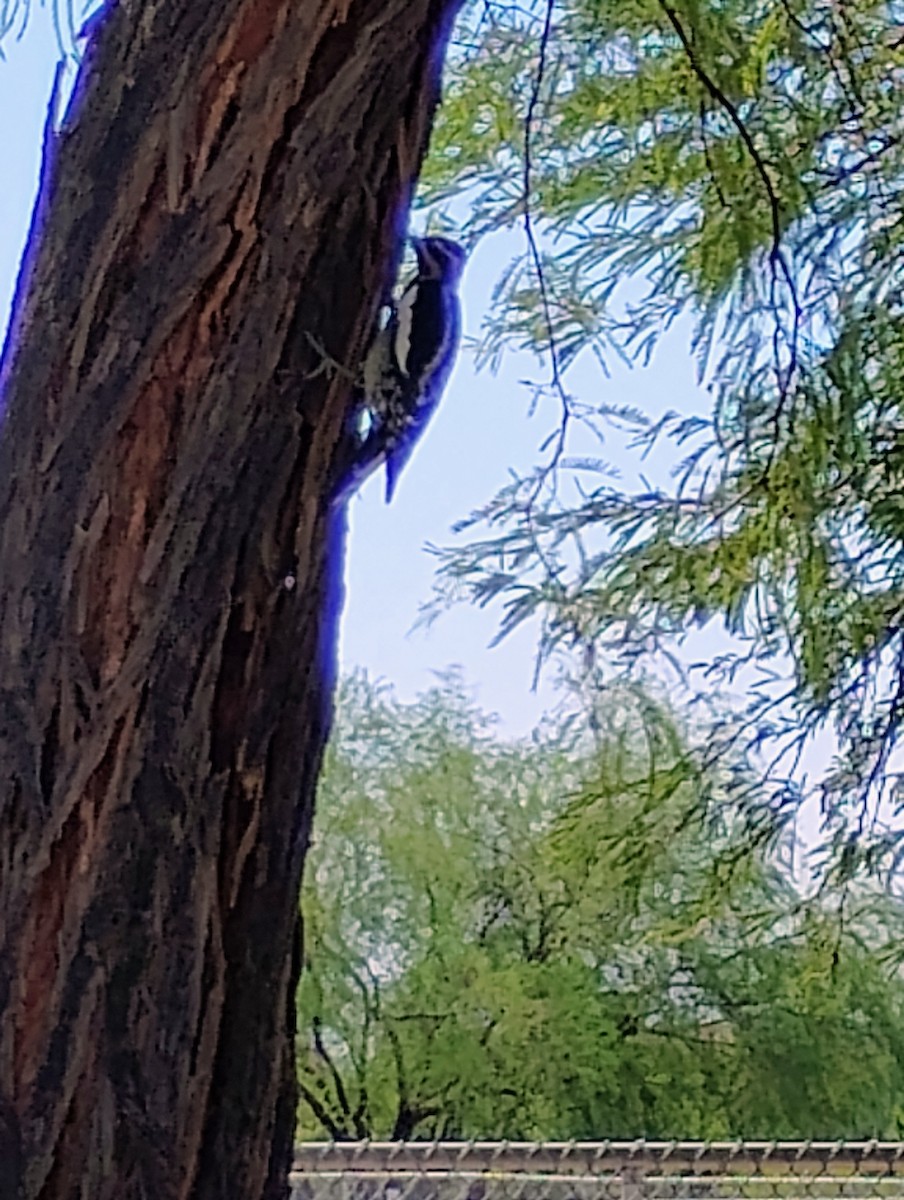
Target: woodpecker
[(409, 361)]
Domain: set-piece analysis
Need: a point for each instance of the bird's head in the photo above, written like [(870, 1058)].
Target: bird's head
[(439, 258)]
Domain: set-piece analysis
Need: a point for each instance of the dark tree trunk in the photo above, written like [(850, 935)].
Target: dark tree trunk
[(230, 180)]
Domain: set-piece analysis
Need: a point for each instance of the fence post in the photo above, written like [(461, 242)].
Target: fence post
[(633, 1179)]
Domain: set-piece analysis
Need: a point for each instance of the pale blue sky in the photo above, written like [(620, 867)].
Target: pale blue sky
[(481, 431)]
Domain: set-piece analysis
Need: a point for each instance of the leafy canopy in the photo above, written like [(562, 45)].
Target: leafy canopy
[(559, 938), (740, 162)]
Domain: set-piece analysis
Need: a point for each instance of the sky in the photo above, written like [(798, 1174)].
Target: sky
[(482, 430)]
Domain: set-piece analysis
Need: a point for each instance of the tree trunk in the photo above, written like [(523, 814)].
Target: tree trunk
[(221, 207)]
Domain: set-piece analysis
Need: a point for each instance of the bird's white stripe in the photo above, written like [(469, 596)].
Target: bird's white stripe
[(404, 320)]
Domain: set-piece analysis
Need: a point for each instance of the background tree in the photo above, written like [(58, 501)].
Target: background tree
[(559, 938), (220, 206), (741, 163)]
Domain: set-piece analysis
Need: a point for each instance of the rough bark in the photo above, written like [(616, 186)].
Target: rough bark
[(224, 197)]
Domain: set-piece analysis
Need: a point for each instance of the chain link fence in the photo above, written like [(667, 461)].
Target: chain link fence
[(638, 1170)]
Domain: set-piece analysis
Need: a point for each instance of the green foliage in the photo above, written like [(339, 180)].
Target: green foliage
[(562, 938), (741, 161)]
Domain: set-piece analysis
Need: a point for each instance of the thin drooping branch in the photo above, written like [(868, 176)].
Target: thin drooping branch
[(778, 262), (552, 348)]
